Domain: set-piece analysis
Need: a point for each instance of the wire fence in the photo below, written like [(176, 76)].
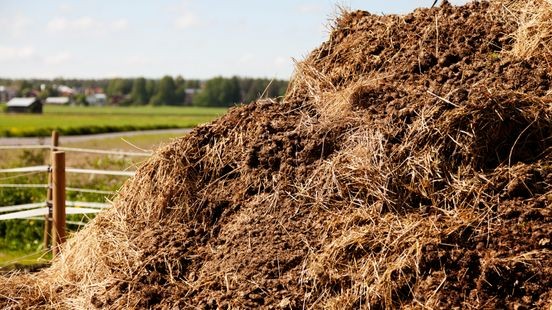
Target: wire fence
[(24, 185), (45, 211), (30, 210), (69, 189), (44, 168), (100, 172), (76, 150), (71, 170), (42, 210), (23, 207)]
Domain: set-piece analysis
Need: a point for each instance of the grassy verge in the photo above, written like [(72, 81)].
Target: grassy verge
[(134, 110), (78, 120), (11, 258), (146, 141)]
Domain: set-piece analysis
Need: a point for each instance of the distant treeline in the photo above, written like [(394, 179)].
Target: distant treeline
[(218, 91)]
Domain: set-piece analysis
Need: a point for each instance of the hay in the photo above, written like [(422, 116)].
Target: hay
[(534, 34), (408, 166)]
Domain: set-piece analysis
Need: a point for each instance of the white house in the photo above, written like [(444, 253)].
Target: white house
[(96, 99), (58, 100), (65, 90)]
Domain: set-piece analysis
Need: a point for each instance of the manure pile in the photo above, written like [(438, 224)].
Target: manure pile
[(408, 166)]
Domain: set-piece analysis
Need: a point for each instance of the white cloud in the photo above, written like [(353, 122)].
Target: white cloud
[(246, 58), (281, 61), (184, 15), (137, 60), (113, 74), (58, 58), (120, 24), (63, 24), (85, 23), (57, 24), (310, 8), (15, 25), (186, 20), (9, 53), (65, 7)]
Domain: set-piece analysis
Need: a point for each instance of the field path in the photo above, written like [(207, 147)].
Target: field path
[(71, 139)]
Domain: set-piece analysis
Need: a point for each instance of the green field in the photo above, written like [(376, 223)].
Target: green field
[(9, 258), (76, 120)]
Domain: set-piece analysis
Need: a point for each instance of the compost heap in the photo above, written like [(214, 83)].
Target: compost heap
[(409, 165)]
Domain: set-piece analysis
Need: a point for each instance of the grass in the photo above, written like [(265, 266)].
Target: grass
[(134, 110), (148, 142), (10, 258), (144, 141), (137, 143), (75, 120)]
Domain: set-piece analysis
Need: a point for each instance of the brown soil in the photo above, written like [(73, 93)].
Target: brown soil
[(409, 166)]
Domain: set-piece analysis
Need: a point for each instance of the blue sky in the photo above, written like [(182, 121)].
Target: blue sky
[(192, 38)]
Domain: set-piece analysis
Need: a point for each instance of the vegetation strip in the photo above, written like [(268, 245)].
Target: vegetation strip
[(90, 120)]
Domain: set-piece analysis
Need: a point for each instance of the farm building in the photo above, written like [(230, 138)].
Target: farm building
[(65, 90), (96, 99), (6, 93), (190, 94), (58, 100), (24, 105)]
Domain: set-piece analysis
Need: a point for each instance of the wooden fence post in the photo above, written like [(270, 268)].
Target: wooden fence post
[(58, 200), (48, 219)]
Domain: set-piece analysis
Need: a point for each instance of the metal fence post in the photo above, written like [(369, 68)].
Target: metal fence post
[(58, 200), (48, 219)]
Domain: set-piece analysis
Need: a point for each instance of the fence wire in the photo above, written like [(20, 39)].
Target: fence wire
[(104, 152), (23, 147), (22, 207), (101, 172), (76, 150), (42, 168), (45, 211), (69, 189), (24, 185)]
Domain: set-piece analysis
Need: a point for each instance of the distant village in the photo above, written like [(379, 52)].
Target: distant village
[(29, 96), (30, 102)]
